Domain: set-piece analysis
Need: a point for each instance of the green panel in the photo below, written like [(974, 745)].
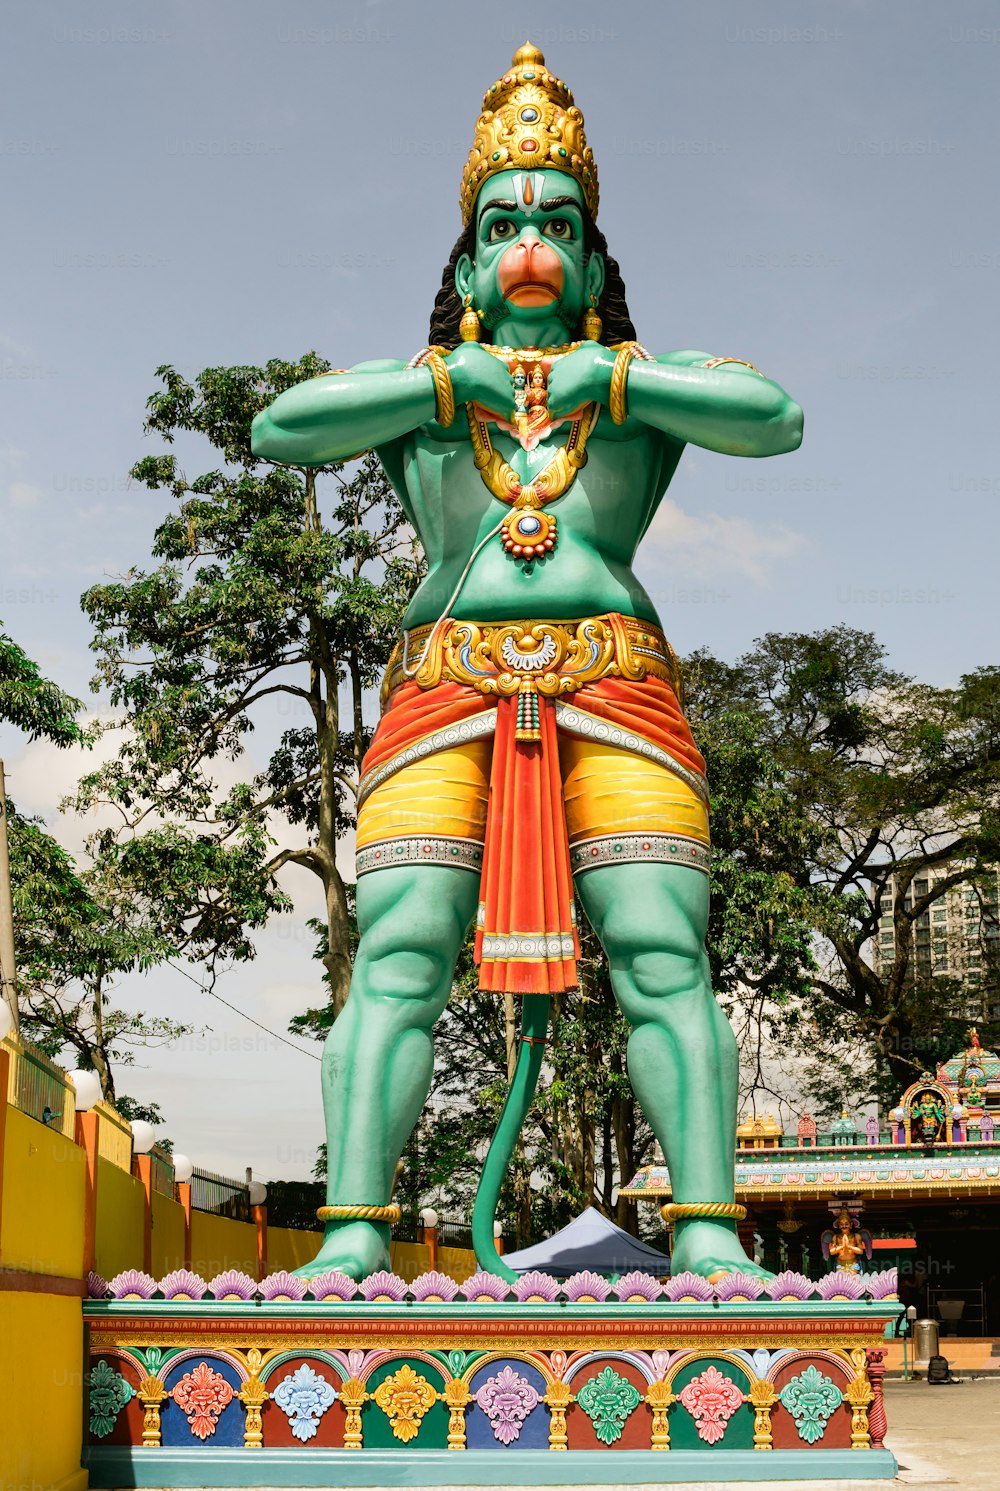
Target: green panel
[(684, 1429), (376, 1430)]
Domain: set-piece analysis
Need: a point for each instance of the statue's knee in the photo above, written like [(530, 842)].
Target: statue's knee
[(662, 951), (399, 959)]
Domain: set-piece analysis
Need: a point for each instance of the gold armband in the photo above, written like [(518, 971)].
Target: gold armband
[(617, 402), (444, 394)]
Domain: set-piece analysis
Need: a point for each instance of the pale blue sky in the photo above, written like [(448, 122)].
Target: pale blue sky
[(811, 187)]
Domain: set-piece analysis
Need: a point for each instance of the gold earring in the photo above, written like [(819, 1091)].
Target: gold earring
[(592, 323), (469, 328)]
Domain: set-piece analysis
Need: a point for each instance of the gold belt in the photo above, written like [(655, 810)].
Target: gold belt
[(545, 657)]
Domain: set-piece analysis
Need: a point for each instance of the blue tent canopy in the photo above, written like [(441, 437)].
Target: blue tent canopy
[(590, 1241)]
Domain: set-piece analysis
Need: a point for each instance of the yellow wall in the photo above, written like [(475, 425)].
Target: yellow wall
[(120, 1207), (289, 1249), (168, 1235), (43, 1196), (410, 1260), (219, 1242), (41, 1392)]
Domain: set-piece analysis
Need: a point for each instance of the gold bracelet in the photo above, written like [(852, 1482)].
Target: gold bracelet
[(716, 362), (390, 1213), (444, 394), (679, 1211), (617, 402)]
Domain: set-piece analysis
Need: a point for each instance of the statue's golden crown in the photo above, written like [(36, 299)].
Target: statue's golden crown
[(529, 123)]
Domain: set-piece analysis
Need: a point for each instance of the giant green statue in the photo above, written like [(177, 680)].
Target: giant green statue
[(532, 749)]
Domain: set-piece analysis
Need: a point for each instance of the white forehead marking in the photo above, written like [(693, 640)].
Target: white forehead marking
[(529, 183)]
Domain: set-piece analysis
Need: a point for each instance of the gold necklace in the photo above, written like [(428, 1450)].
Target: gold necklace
[(527, 532)]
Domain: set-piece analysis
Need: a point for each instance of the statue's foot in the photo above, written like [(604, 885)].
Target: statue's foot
[(356, 1249), (711, 1249)]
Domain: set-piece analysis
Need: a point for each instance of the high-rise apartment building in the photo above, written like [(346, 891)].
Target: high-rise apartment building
[(957, 937)]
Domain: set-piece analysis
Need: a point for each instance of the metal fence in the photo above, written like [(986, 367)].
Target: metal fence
[(220, 1194), (40, 1088), (114, 1136), (162, 1171)]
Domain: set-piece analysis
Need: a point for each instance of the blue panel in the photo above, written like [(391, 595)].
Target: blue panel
[(229, 1428), (534, 1433)]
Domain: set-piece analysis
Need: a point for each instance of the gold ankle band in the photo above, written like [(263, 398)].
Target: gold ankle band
[(677, 1211), (390, 1213)]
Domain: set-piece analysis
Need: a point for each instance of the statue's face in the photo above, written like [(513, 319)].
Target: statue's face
[(529, 266)]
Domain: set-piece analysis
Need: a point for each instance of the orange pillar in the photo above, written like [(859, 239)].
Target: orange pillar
[(431, 1239), (85, 1135), (142, 1167), (182, 1190), (259, 1215)]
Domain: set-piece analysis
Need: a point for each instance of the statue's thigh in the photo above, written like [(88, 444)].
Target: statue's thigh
[(413, 921), (646, 909)]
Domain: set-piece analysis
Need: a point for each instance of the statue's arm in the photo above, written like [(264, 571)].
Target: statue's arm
[(730, 408), (341, 414)]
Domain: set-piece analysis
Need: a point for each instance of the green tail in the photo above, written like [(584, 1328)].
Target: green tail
[(534, 1027)]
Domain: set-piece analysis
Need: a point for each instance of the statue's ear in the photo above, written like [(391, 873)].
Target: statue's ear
[(464, 270), (593, 277)]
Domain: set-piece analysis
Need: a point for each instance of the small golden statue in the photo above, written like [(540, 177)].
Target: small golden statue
[(845, 1244)]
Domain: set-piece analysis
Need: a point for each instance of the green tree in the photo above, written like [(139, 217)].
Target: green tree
[(269, 584)]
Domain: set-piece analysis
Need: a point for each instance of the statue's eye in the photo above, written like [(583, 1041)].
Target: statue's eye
[(559, 227), (502, 228)]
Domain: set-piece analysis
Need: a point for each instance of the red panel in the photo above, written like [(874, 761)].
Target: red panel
[(836, 1436), (638, 1426), (277, 1429)]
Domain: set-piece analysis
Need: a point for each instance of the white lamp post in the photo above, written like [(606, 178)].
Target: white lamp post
[(87, 1086)]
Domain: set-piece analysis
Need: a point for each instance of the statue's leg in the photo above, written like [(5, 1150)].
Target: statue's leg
[(682, 1056), (379, 1056)]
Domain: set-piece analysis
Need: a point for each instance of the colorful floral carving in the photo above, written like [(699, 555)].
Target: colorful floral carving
[(332, 1285), (884, 1284), (506, 1400), (231, 1284), (739, 1288), (790, 1285), (811, 1398), (636, 1287), (842, 1285), (97, 1288), (131, 1284), (535, 1288), (109, 1392), (404, 1398), (183, 1284), (383, 1288), (587, 1288), (607, 1400), (201, 1395), (689, 1288), (483, 1288), (711, 1399), (283, 1285), (303, 1397), (434, 1286)]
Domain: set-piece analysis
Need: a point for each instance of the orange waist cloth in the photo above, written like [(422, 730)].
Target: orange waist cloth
[(526, 939)]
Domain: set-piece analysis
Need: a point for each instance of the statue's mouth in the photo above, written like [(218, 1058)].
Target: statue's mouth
[(531, 292)]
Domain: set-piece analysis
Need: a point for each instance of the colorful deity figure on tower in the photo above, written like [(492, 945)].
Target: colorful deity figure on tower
[(532, 750)]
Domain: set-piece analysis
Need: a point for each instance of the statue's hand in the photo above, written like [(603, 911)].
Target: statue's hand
[(480, 378), (581, 377)]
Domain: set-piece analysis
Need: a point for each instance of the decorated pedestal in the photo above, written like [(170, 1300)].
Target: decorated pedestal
[(486, 1391)]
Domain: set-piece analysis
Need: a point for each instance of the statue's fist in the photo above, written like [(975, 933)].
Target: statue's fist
[(581, 377), (480, 378)]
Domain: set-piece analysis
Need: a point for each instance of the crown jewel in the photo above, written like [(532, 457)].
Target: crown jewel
[(529, 123)]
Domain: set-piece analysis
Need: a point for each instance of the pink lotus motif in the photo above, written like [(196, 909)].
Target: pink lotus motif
[(131, 1284), (283, 1286), (841, 1285), (883, 1285), (535, 1288), (383, 1288), (738, 1287), (688, 1288), (789, 1285), (434, 1287), (587, 1288), (202, 1395), (332, 1285), (183, 1284), (484, 1288), (506, 1400), (232, 1284), (711, 1400), (637, 1287), (97, 1288)]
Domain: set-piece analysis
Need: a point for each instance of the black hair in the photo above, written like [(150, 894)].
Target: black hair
[(611, 307)]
